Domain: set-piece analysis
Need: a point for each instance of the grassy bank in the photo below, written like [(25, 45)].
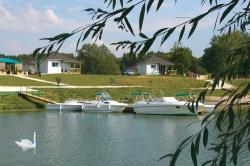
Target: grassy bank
[(15, 81), (240, 81), (15, 102), (120, 94), (147, 81)]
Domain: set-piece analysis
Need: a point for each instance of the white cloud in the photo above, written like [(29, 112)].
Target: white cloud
[(52, 17), (28, 18)]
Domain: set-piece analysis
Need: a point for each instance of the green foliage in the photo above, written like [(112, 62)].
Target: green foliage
[(215, 58), (127, 60), (182, 57), (98, 60)]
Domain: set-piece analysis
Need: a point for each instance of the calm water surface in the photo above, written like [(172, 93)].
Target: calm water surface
[(92, 139)]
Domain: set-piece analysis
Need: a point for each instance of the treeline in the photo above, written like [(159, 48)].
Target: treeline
[(100, 60)]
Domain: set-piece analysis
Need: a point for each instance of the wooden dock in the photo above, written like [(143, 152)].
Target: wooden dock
[(40, 98)]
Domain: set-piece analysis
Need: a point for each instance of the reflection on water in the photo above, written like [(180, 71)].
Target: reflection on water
[(72, 138)]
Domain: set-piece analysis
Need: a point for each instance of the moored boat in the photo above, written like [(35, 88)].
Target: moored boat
[(167, 106), (170, 105), (103, 103), (67, 106)]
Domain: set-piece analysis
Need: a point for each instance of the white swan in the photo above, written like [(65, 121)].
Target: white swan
[(27, 144)]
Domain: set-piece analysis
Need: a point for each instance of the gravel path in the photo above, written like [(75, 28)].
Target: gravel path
[(35, 79)]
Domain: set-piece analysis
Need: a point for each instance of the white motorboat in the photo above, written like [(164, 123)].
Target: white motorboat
[(70, 105), (103, 103), (209, 107), (165, 105)]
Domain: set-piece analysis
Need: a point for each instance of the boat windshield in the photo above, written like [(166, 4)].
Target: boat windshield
[(103, 96)]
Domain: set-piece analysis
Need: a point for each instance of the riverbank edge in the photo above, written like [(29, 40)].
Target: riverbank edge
[(22, 110)]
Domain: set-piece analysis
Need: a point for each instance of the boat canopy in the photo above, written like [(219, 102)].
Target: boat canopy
[(9, 61)]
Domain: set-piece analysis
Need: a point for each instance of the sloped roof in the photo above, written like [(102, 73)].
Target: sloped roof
[(157, 59), (55, 56), (10, 61), (61, 56)]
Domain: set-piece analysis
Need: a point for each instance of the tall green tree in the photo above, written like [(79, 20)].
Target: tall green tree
[(98, 60), (234, 140), (215, 57), (182, 57), (127, 60)]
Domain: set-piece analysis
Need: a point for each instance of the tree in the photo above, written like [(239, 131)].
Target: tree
[(182, 57), (164, 55), (98, 60), (233, 139), (215, 57), (127, 60)]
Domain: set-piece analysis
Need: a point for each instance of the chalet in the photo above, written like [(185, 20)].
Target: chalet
[(54, 63), (153, 65)]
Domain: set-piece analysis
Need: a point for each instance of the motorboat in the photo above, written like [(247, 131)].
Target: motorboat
[(209, 107), (169, 106), (70, 105), (165, 105), (103, 103)]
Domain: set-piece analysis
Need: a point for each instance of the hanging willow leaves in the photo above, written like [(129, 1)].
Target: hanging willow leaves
[(166, 36), (147, 45), (194, 25), (197, 143), (142, 16), (227, 11), (129, 26), (182, 33), (142, 35), (193, 154), (205, 137), (160, 2), (150, 2)]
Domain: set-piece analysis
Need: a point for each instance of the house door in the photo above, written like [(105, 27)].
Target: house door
[(162, 70)]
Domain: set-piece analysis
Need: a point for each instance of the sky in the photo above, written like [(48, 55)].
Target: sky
[(24, 22)]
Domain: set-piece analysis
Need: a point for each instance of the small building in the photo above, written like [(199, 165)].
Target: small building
[(54, 63), (153, 65), (10, 66)]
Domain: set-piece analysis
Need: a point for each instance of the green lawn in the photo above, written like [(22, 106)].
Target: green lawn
[(15, 81), (15, 102), (241, 81), (147, 81)]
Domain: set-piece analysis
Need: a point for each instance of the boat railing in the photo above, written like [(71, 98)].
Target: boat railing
[(185, 96), (144, 96)]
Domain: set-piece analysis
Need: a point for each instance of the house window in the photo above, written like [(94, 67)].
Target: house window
[(55, 64), (153, 66)]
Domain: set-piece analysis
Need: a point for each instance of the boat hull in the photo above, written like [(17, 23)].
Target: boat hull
[(64, 107), (55, 107), (164, 109), (103, 108)]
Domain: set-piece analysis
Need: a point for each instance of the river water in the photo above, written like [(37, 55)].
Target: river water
[(93, 139)]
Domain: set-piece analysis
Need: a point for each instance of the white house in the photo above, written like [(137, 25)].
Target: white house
[(153, 65), (53, 64)]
